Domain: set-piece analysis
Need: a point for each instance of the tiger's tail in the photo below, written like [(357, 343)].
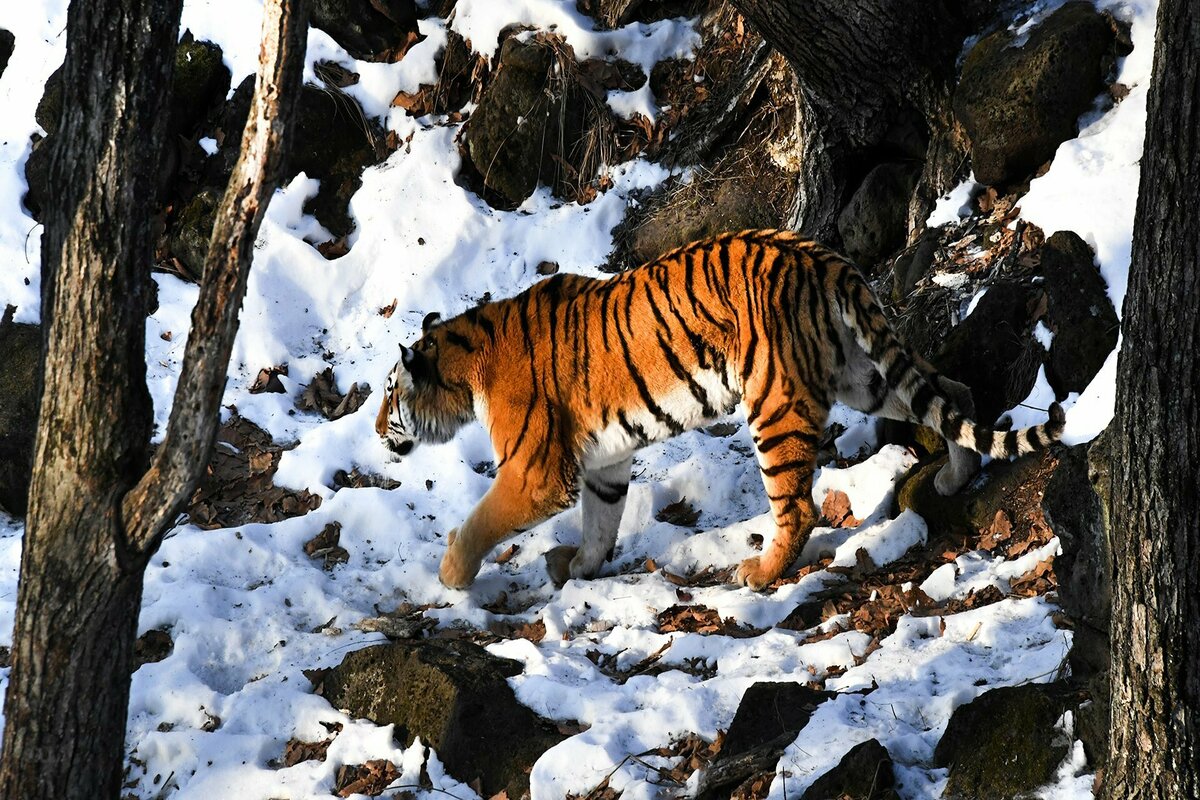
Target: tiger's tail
[(929, 404)]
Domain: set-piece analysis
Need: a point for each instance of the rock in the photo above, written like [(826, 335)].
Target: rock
[(333, 142), (1083, 319), (1074, 509), (993, 350), (20, 373), (531, 123), (875, 221), (201, 82), (7, 43), (767, 721), (1003, 743), (913, 263), (611, 14), (864, 773), (37, 176), (49, 109), (1084, 567), (1018, 102), (973, 508), (751, 184), (369, 30), (453, 694), (191, 231)]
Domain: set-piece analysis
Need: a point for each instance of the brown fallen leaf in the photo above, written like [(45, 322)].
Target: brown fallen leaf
[(679, 513), (508, 554), (836, 510), (370, 778), (387, 311), (297, 751), (268, 380)]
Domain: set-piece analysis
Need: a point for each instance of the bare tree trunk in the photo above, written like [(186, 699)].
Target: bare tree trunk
[(873, 77), (1154, 749), (92, 525)]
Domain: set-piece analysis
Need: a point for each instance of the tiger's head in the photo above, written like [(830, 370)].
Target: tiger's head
[(428, 395)]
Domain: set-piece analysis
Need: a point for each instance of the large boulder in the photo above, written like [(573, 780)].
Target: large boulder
[(864, 773), (993, 351), (875, 221), (1083, 319), (1003, 744), (20, 371), (767, 721), (1019, 100), (455, 696), (369, 30)]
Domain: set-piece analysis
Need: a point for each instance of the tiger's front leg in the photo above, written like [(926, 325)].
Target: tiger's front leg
[(787, 449), (520, 498)]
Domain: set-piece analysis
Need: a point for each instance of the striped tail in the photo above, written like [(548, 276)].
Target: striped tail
[(918, 389)]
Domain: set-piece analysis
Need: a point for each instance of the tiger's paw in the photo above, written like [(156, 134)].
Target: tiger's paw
[(752, 573), (458, 570)]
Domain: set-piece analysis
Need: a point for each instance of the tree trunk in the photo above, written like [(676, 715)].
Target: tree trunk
[(81, 584), (1154, 750), (92, 525), (875, 80)]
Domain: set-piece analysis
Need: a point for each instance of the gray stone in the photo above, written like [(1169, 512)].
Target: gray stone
[(1018, 102), (453, 694), (875, 221)]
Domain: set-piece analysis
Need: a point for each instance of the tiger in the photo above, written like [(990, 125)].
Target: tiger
[(572, 376)]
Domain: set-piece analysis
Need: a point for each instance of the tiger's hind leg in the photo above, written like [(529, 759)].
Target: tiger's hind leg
[(863, 388), (786, 436), (604, 491)]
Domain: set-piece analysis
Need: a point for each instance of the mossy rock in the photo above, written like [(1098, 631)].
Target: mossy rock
[(974, 508), (530, 112), (37, 176), (1020, 101), (1003, 744), (454, 695), (201, 82), (192, 231), (20, 372), (49, 108), (369, 30)]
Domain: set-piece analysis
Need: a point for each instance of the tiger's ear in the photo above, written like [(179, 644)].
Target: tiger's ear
[(416, 364), (432, 319)]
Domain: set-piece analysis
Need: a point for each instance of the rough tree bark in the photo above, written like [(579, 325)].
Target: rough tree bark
[(1154, 505), (873, 78), (92, 524)]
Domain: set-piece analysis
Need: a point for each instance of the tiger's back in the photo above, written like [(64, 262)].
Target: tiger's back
[(575, 374)]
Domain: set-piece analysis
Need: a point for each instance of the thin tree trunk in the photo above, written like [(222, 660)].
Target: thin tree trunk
[(870, 74), (92, 525), (1154, 750)]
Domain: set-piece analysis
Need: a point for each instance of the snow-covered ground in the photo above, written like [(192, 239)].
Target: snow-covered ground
[(242, 604)]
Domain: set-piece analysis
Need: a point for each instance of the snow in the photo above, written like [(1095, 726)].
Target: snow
[(243, 604)]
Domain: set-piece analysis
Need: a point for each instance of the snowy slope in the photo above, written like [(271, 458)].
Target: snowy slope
[(242, 603)]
